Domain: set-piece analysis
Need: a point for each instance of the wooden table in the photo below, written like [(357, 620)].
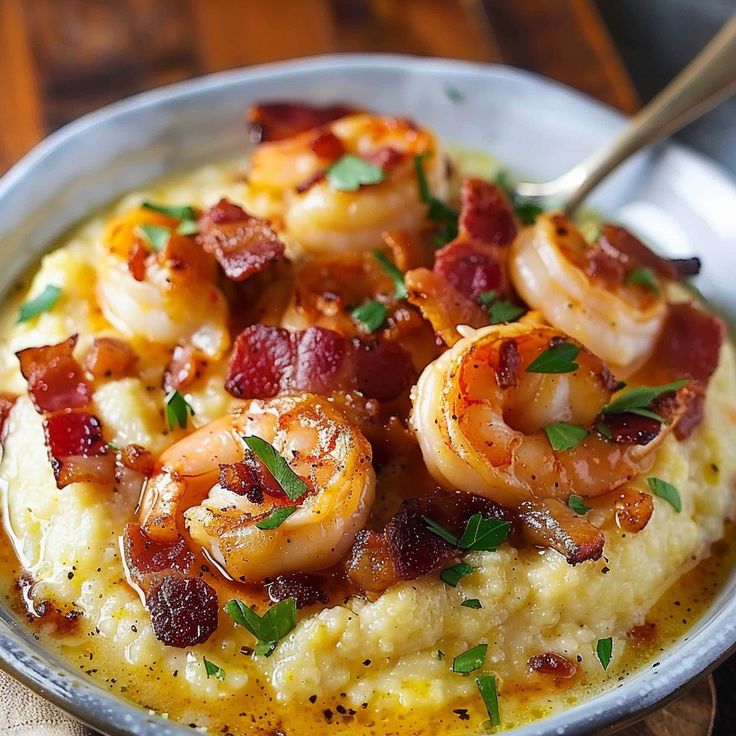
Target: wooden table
[(62, 58)]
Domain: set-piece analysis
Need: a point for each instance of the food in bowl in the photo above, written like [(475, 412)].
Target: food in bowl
[(337, 438)]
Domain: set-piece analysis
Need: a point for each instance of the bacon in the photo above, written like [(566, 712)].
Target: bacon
[(109, 357), (242, 244), (268, 361), (472, 268), (386, 158), (250, 478), (632, 429), (274, 121), (306, 589), (55, 378), (185, 365), (694, 399), (327, 145), (137, 458), (144, 555), (551, 663), (486, 214), (137, 256), (632, 509), (508, 364)]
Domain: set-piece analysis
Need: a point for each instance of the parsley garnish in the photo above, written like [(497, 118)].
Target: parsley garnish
[(276, 518), (438, 211), (213, 670), (44, 302), (604, 430), (666, 491), (635, 400), (270, 628), (157, 236), (392, 271), (178, 212), (563, 436), (560, 358), (454, 94), (644, 277), (472, 603), (187, 227), (350, 172), (292, 485), (471, 660), (371, 315), (577, 505), (500, 310), (178, 410), (604, 649), (479, 535), (453, 575), (487, 687)]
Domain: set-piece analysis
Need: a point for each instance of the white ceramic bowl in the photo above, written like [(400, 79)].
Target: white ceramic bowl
[(677, 199)]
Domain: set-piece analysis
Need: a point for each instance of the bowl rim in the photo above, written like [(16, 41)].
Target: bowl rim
[(18, 658)]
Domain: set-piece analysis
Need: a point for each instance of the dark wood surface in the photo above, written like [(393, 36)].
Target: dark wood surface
[(62, 58)]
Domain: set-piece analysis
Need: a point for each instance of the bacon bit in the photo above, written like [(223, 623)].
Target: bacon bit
[(321, 361), (6, 404), (382, 369), (693, 396), (109, 357), (551, 663), (486, 214), (307, 589), (369, 566), (327, 145), (184, 611), (250, 478), (75, 433), (53, 620), (81, 469), (137, 256), (550, 523), (242, 244), (408, 251), (386, 158), (55, 378), (632, 429), (144, 556), (185, 365), (508, 364), (274, 121), (472, 268), (632, 509), (137, 458), (643, 634), (621, 245), (603, 265)]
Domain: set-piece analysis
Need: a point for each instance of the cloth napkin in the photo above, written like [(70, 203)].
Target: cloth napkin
[(22, 713)]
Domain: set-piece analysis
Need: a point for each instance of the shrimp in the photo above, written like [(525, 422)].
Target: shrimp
[(167, 297), (190, 488), (480, 416), (290, 173), (551, 269)]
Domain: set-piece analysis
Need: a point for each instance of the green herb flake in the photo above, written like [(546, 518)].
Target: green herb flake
[(268, 629), (157, 236), (471, 660), (604, 650), (439, 212), (440, 531), (350, 172), (454, 95), (486, 685), (577, 505), (472, 603), (666, 491), (371, 315), (563, 436), (276, 518), (604, 430), (292, 485), (504, 311), (636, 400), (44, 302), (178, 410), (560, 358), (484, 535), (393, 272), (187, 227), (487, 297), (453, 575), (644, 277), (178, 212), (213, 670)]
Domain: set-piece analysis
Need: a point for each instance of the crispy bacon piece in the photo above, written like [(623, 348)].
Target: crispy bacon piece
[(137, 458), (137, 256), (551, 523), (185, 365), (55, 378), (250, 478), (472, 268), (242, 244), (307, 589), (274, 121), (694, 399), (145, 556), (551, 663), (327, 145), (632, 429), (632, 509), (618, 243), (109, 357), (508, 364), (386, 158), (184, 610), (267, 361), (486, 214)]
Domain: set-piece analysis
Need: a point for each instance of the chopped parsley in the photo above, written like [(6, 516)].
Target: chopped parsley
[(560, 358), (178, 212), (577, 505), (454, 95), (472, 603), (291, 484), (471, 660), (563, 436), (187, 227), (350, 172), (604, 650), (371, 315), (666, 491), (178, 410), (636, 400), (276, 518), (157, 236), (439, 212), (213, 670), (453, 575), (644, 277), (479, 535), (500, 310), (604, 430), (44, 302), (270, 628), (487, 687), (392, 271)]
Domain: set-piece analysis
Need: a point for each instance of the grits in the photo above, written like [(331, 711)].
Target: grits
[(379, 665)]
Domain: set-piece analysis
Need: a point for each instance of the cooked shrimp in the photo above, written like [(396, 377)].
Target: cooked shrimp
[(618, 321), (288, 175), (331, 456), (167, 297), (480, 416)]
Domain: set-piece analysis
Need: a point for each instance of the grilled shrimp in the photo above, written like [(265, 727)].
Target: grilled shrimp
[(212, 484), (551, 270), (166, 297), (288, 176), (479, 416)]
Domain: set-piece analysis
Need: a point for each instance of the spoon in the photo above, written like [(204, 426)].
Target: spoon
[(707, 80)]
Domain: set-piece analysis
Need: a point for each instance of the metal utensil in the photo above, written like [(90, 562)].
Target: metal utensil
[(707, 80)]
